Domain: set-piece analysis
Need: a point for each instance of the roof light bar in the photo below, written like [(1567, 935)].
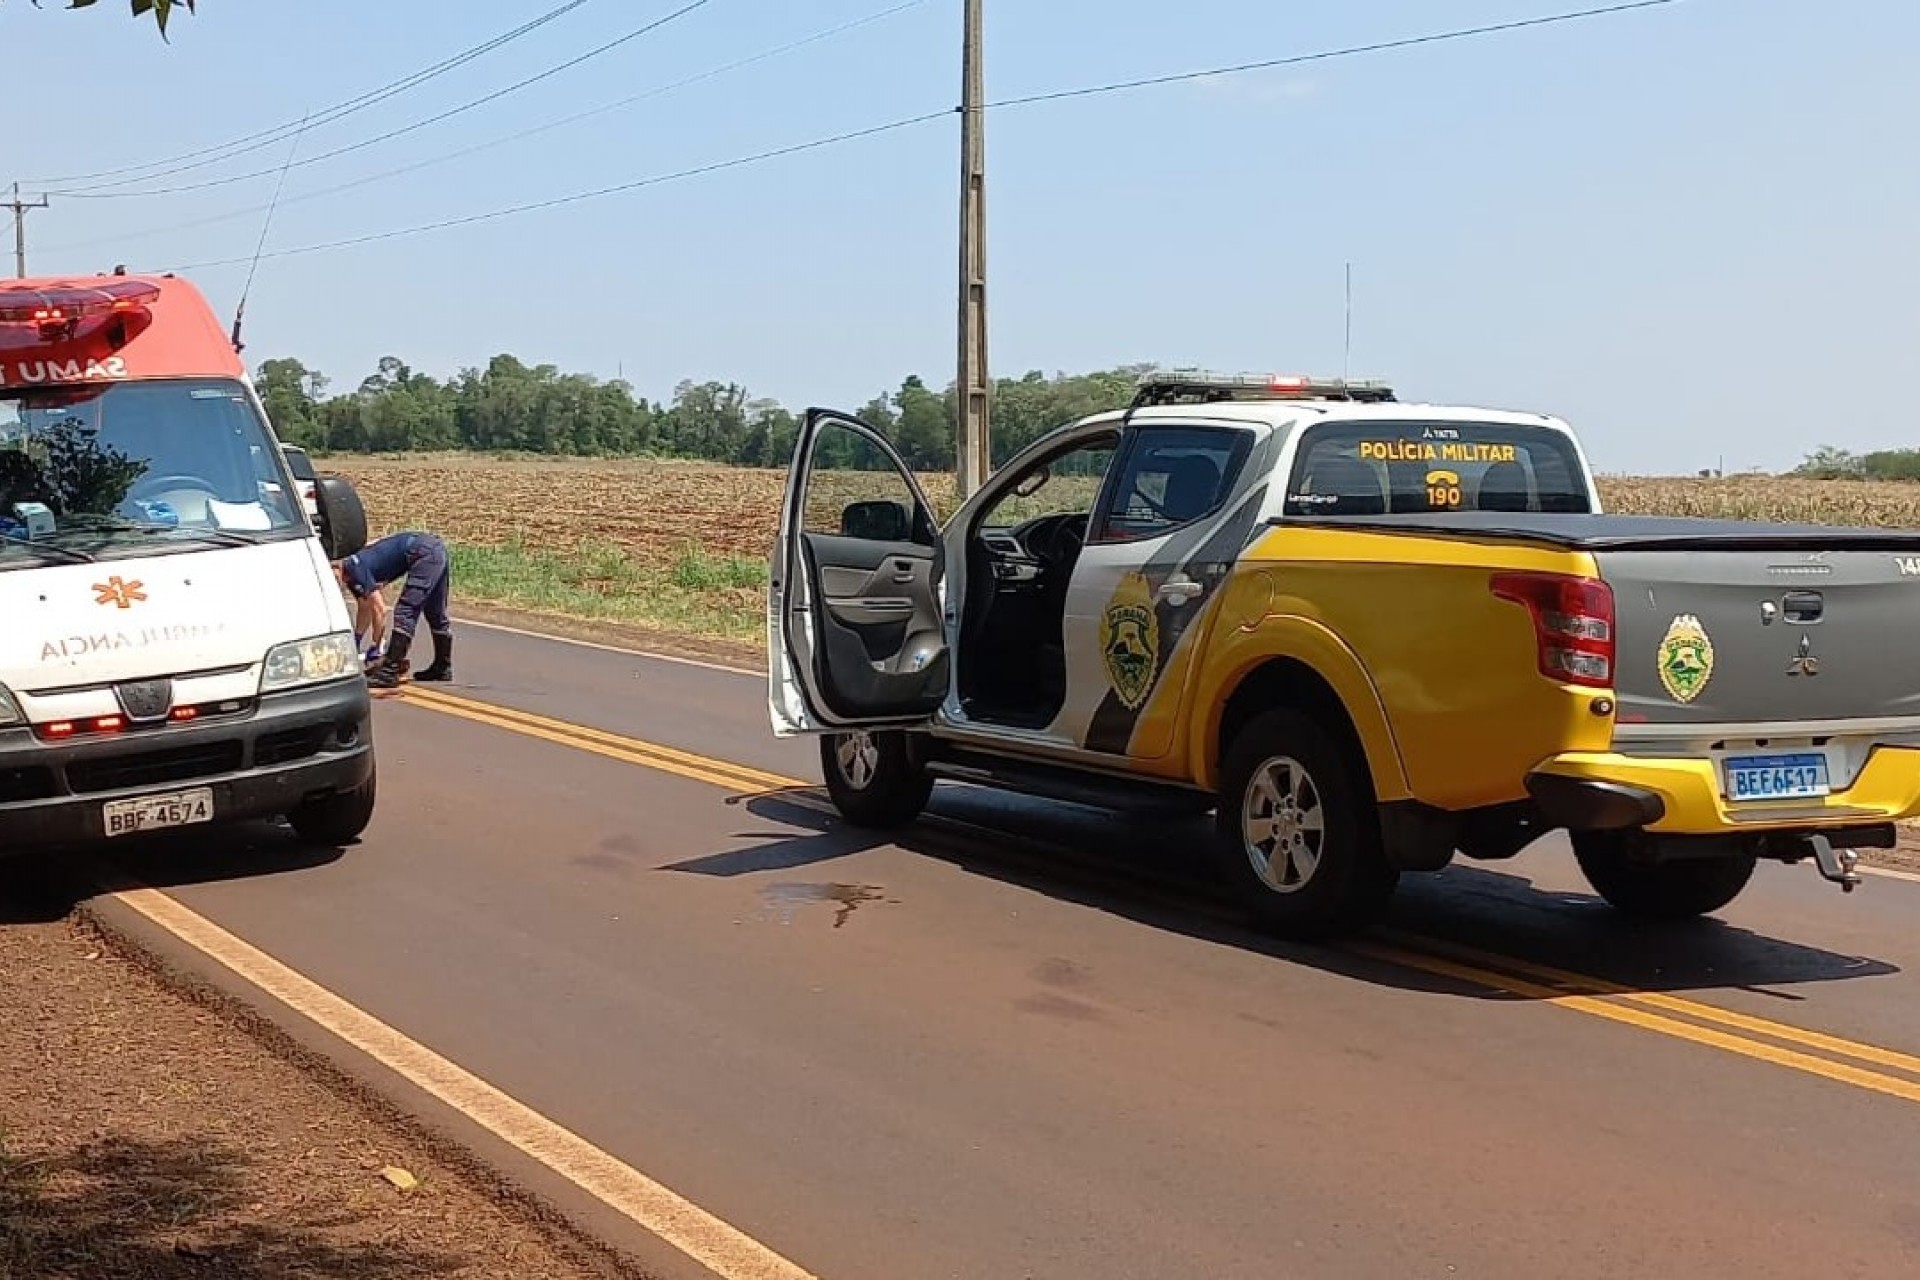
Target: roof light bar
[(1170, 386), (62, 304)]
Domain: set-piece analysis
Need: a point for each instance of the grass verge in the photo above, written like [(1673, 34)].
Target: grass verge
[(696, 593)]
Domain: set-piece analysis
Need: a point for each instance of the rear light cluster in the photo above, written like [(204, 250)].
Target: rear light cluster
[(99, 726), (1572, 624)]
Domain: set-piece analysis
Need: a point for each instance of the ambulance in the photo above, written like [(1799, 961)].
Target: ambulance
[(174, 648)]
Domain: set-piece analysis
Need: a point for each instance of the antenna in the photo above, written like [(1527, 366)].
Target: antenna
[(239, 312), (1346, 360)]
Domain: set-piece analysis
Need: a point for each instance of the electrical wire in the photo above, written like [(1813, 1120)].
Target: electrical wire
[(488, 145), (100, 192), (1382, 46), (267, 137), (910, 121), (653, 180)]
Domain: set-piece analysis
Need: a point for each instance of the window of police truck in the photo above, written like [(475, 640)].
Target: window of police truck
[(120, 463), (1376, 468)]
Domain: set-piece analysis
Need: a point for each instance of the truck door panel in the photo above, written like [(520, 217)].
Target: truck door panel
[(1185, 500), (854, 609)]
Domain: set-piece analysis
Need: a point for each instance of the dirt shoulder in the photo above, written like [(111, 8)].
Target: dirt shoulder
[(144, 1134)]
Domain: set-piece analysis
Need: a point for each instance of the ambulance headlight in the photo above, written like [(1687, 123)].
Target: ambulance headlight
[(9, 710), (298, 662)]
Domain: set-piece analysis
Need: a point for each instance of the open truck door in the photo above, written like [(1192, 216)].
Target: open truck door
[(855, 632)]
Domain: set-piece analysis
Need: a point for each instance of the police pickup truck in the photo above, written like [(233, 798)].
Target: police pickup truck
[(1367, 635)]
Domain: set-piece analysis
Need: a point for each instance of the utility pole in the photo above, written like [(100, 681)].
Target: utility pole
[(972, 389), (20, 208)]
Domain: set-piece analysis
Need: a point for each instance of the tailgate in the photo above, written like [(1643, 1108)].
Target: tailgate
[(1759, 637)]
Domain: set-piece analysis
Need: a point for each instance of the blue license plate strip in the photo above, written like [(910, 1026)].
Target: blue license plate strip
[(1797, 776)]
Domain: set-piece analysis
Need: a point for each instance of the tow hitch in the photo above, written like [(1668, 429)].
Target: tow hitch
[(1835, 864)]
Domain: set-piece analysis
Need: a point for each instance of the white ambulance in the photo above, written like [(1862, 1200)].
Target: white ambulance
[(174, 648)]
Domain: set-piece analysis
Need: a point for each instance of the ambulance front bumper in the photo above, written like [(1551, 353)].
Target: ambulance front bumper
[(288, 747)]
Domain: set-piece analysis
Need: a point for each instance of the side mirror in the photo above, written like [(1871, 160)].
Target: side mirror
[(878, 521), (343, 520)]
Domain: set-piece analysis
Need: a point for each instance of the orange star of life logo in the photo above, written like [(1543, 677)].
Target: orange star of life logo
[(117, 591)]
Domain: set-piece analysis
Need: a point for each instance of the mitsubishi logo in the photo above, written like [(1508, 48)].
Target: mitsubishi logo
[(1804, 663)]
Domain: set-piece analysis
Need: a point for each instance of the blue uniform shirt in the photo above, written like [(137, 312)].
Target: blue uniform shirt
[(382, 562)]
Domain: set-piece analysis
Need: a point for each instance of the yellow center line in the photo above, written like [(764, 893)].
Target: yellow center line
[(1793, 1059), (612, 745), (1579, 992), (716, 1245), (1580, 983)]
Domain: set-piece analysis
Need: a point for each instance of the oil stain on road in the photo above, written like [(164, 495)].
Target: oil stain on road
[(789, 898)]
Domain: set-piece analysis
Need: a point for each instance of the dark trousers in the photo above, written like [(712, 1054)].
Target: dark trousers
[(429, 583)]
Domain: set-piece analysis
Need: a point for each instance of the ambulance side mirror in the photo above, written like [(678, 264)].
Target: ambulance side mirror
[(343, 520)]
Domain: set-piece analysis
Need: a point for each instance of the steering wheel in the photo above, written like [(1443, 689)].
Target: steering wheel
[(171, 481), (167, 483), (1055, 540)]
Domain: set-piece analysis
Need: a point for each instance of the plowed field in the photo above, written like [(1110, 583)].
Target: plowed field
[(656, 510)]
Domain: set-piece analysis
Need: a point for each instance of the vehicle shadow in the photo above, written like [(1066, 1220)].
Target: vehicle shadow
[(1149, 870), (45, 885)]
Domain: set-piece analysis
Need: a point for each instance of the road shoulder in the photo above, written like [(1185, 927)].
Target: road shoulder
[(153, 1130)]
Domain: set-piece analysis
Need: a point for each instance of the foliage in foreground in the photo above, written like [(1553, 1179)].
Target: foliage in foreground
[(160, 9)]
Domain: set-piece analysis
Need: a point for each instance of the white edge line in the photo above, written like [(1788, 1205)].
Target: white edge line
[(707, 1239), (1887, 872), (612, 648)]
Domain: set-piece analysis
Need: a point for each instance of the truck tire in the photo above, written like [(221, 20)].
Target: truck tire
[(337, 819), (1297, 835), (1674, 890), (875, 779)]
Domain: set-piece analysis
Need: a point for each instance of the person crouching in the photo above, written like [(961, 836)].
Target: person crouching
[(420, 558)]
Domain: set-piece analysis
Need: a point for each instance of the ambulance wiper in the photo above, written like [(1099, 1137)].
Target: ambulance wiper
[(118, 524), (72, 554)]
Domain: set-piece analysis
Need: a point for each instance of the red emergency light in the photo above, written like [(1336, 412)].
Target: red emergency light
[(55, 311)]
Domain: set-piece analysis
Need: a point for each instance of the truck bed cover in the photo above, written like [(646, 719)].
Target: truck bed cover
[(1584, 532)]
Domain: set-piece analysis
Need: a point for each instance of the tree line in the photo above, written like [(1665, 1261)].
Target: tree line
[(512, 406), (1831, 463)]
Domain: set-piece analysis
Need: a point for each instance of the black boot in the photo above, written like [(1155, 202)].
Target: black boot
[(442, 666), (393, 665)]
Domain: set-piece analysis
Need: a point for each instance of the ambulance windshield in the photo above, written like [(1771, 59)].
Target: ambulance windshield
[(139, 467)]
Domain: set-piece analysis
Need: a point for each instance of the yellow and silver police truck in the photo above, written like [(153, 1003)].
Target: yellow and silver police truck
[(1367, 635)]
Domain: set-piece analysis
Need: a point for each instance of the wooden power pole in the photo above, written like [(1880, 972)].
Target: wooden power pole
[(972, 389), (20, 208)]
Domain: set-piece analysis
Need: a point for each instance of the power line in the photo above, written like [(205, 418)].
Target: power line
[(1382, 46), (558, 201), (100, 193), (267, 137), (488, 145), (909, 121)]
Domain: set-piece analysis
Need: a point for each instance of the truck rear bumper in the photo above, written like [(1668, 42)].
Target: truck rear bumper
[(1600, 791), (290, 746)]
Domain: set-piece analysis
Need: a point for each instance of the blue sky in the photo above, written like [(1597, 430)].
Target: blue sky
[(1690, 229)]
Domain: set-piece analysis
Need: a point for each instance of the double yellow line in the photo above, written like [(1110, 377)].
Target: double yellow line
[(614, 746), (1850, 1062)]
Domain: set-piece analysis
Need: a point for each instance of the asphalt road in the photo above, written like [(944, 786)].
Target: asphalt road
[(1026, 1042)]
